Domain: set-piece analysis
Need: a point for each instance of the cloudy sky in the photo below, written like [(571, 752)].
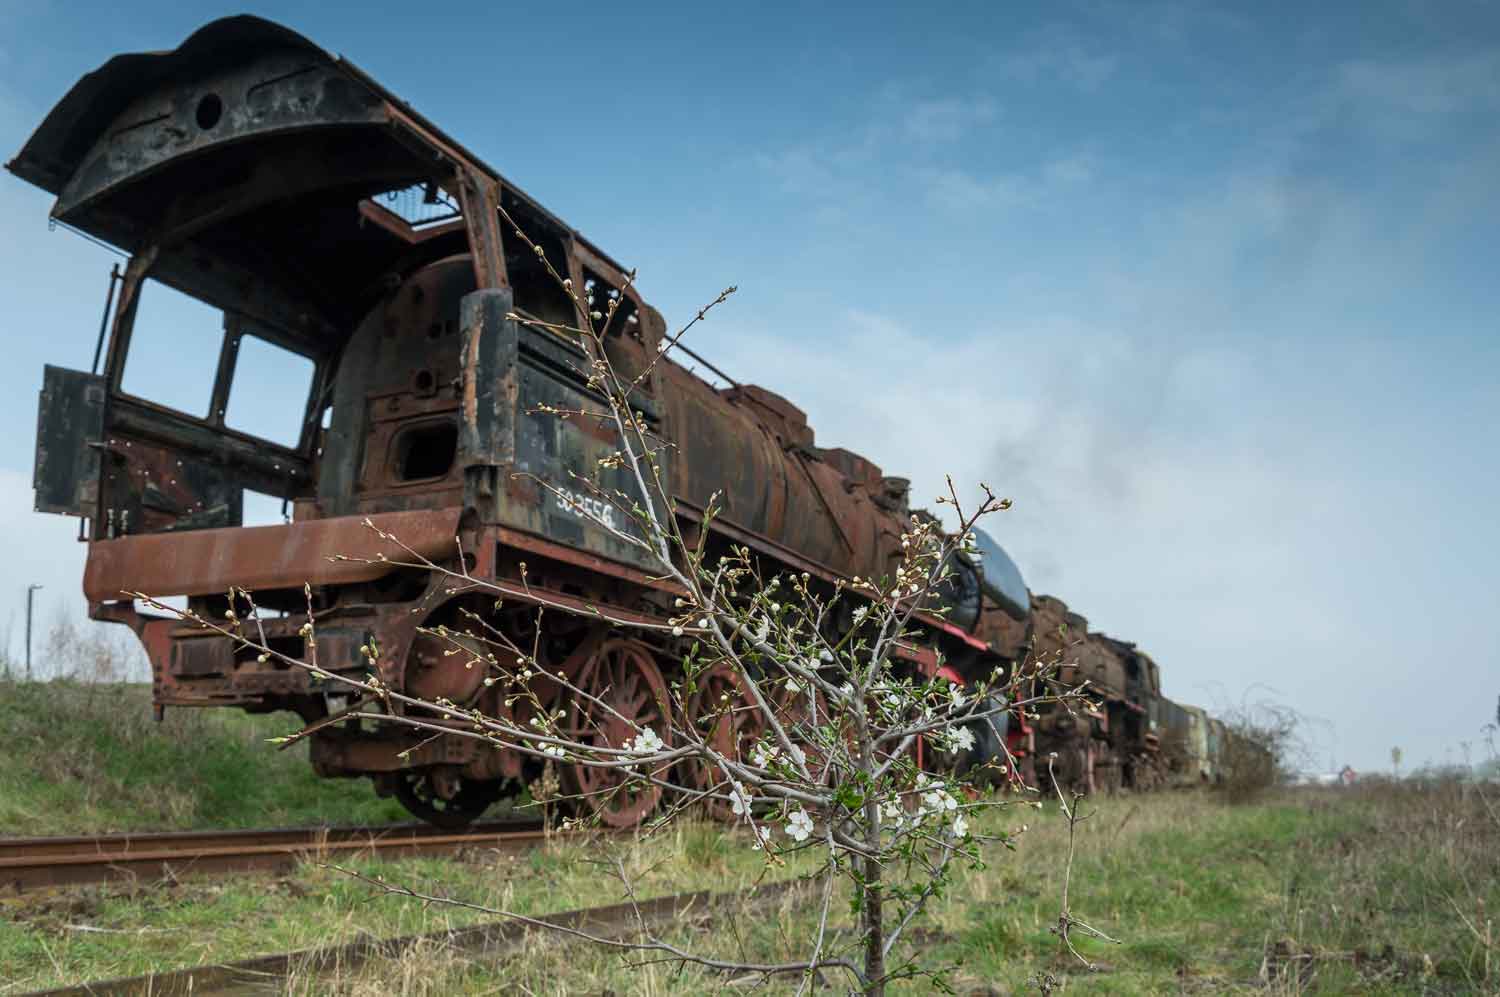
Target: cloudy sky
[(1210, 292)]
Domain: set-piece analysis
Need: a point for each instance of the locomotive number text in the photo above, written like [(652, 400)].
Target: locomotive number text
[(585, 506)]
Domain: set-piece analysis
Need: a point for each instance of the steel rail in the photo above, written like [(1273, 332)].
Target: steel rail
[(30, 863), (494, 940)]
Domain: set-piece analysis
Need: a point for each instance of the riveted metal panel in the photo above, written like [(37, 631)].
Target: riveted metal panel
[(558, 487), (69, 434)]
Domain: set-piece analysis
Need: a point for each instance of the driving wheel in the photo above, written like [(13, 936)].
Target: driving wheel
[(723, 713), (419, 792), (622, 675)]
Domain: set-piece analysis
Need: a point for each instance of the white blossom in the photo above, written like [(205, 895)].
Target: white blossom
[(960, 826), (647, 742), (764, 755), (936, 799), (960, 739), (799, 825), (739, 800), (859, 612)]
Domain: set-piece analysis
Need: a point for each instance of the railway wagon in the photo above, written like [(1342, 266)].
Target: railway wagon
[(1116, 744), (330, 225), (1134, 738)]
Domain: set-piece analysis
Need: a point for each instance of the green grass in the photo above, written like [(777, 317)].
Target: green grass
[(1318, 893), (1329, 891), (87, 757), (74, 936)]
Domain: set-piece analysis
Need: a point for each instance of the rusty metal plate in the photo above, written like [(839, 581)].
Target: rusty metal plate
[(69, 434), (263, 557)]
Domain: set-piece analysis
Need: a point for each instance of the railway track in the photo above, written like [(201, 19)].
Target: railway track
[(32, 863), (495, 940)]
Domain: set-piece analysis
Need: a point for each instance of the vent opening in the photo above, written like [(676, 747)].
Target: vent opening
[(426, 451), (210, 109)]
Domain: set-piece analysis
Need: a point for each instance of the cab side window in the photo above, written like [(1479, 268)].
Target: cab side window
[(174, 350), (269, 392)]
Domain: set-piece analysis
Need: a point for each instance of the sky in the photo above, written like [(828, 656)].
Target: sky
[(1210, 292)]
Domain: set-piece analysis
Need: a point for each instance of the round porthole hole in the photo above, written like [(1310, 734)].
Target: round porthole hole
[(210, 110)]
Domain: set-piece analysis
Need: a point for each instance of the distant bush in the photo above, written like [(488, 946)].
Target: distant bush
[(1262, 745)]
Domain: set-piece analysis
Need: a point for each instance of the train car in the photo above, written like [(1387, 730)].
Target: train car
[(329, 224), (1199, 761), (1115, 744), (1176, 728), (1215, 749)]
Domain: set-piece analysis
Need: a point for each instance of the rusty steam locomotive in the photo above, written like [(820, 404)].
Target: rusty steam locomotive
[(325, 219)]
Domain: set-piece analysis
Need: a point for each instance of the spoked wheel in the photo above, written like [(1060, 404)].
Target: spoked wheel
[(623, 676), (723, 713), (418, 791)]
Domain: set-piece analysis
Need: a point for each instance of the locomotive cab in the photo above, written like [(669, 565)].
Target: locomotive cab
[(340, 264)]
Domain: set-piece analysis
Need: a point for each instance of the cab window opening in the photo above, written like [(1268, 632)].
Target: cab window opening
[(536, 291), (269, 391), (173, 355)]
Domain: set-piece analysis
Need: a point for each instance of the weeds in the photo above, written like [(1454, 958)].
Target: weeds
[(1306, 891), (1302, 892), (1263, 742), (83, 754)]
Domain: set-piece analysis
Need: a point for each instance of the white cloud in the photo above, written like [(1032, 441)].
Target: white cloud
[(903, 130), (1069, 171), (1230, 472), (945, 119), (800, 171), (1421, 87), (959, 191), (1070, 62)]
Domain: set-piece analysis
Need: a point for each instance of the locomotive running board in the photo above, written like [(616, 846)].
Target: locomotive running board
[(259, 558)]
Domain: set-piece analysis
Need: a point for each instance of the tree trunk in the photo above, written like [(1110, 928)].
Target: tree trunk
[(874, 919), (874, 932)]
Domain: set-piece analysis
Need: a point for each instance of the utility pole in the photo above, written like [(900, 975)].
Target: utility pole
[(30, 596)]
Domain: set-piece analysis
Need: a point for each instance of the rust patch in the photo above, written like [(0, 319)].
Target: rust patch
[(258, 558)]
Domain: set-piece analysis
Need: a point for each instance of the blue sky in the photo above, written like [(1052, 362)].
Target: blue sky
[(1211, 292)]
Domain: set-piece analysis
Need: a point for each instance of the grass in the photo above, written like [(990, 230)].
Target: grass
[(1315, 892), (73, 936), (1383, 889), (87, 757)]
